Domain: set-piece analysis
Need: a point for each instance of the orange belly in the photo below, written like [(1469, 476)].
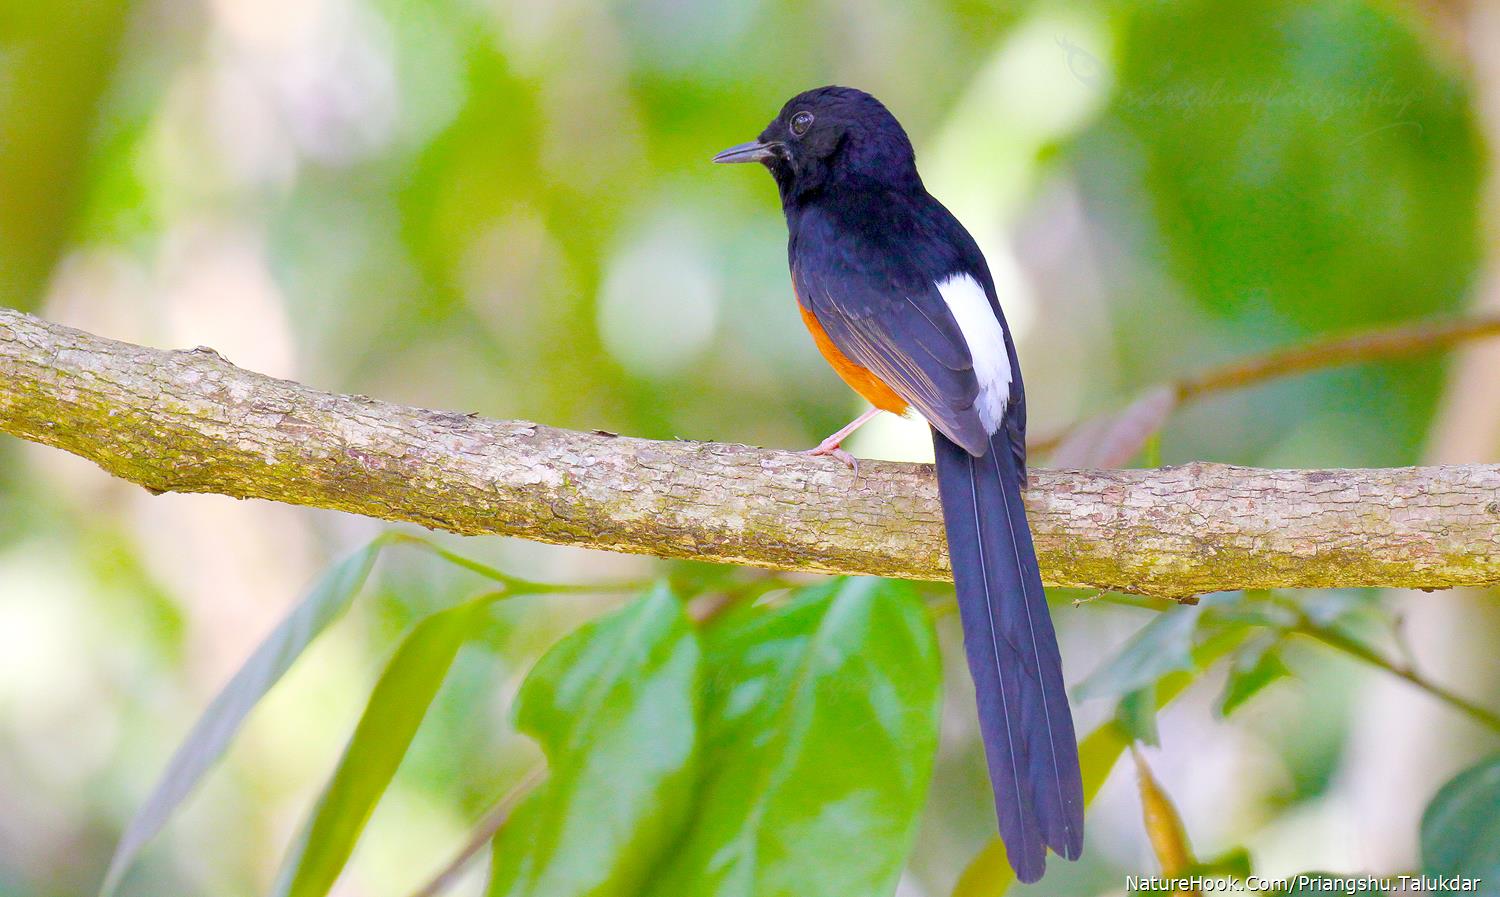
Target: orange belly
[(859, 378)]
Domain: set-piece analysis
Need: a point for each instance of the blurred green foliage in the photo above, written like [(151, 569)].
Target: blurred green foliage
[(506, 207), (205, 745), (1290, 169), (55, 67), (1461, 830)]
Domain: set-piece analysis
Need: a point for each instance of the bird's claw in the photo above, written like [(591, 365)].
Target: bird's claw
[(833, 450)]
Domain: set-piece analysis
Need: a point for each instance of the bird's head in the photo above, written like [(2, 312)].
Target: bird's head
[(828, 135)]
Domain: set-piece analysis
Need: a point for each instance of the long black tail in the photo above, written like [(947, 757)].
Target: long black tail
[(1013, 656)]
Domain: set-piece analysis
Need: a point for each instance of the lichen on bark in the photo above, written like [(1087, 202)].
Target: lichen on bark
[(190, 421)]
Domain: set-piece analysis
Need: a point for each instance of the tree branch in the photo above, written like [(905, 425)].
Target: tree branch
[(1371, 345), (189, 421)]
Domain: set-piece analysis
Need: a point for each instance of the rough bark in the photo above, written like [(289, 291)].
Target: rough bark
[(189, 421)]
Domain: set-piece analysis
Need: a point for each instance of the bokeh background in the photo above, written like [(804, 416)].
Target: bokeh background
[(505, 207)]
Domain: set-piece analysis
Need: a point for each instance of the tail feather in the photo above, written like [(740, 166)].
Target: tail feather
[(1024, 718)]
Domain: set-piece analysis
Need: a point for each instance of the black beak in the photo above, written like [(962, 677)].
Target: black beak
[(754, 151)]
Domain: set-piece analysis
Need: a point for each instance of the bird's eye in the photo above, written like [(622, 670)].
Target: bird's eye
[(801, 122)]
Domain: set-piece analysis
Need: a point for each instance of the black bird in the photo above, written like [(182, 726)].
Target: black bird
[(900, 301)]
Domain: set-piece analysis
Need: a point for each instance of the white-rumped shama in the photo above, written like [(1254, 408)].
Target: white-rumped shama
[(900, 301)]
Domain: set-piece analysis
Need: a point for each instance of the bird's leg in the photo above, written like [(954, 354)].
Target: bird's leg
[(830, 446)]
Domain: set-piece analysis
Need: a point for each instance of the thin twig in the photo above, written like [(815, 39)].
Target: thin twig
[(515, 586), (1370, 346), (1362, 652), (1332, 638), (1382, 344), (489, 825)]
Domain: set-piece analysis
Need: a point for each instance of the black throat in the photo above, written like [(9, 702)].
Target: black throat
[(876, 162)]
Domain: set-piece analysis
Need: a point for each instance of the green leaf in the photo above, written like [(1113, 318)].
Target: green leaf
[(1329, 608), (1235, 864), (1136, 715), (1461, 828), (820, 733), (1250, 608), (615, 706), (1161, 646), (1256, 665), (214, 731), (395, 709)]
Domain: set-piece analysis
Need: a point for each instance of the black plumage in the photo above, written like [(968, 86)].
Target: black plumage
[(868, 247)]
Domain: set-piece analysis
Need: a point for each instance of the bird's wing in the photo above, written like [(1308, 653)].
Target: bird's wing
[(887, 316)]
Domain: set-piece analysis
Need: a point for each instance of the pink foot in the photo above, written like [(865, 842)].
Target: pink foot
[(831, 448)]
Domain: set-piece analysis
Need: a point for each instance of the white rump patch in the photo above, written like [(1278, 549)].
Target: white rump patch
[(986, 339)]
